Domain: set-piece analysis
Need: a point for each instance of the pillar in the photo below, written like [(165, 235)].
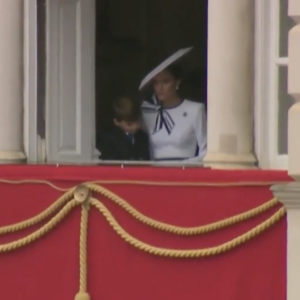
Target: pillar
[(11, 81), (230, 84), (289, 194)]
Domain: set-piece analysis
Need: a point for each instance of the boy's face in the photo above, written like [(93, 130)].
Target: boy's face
[(129, 127)]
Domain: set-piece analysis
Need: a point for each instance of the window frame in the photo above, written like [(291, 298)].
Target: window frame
[(267, 65), (30, 81)]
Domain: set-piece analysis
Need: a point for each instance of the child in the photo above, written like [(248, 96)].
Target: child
[(126, 141)]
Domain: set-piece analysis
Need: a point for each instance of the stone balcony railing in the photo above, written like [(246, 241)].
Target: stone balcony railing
[(289, 194)]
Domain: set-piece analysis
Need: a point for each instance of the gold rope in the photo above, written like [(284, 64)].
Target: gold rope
[(81, 196), (186, 253), (188, 184), (82, 294), (83, 249), (40, 232), (141, 217), (40, 217), (149, 183), (35, 181), (177, 229), (131, 240)]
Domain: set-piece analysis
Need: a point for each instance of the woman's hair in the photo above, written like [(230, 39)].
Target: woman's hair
[(175, 71), (126, 109)]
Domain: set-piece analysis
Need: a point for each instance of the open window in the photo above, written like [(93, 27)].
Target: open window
[(272, 98), (131, 35), (95, 49)]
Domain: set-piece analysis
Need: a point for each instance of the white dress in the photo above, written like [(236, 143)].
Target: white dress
[(177, 133)]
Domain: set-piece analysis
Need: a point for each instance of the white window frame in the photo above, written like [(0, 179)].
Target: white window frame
[(267, 63), (30, 81)]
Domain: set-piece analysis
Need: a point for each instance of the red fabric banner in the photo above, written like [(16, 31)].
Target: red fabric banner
[(49, 268)]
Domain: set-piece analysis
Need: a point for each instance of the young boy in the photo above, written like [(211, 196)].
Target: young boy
[(125, 141)]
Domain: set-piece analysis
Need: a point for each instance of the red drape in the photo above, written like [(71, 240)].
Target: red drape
[(48, 269)]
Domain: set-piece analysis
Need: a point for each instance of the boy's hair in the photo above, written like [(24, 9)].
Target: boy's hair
[(126, 109)]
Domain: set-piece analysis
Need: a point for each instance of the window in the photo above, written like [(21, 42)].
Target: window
[(115, 41), (272, 98), (133, 37), (285, 101)]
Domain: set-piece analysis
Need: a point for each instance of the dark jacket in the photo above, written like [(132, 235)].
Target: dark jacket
[(115, 144)]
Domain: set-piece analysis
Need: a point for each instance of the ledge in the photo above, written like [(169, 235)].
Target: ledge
[(146, 173), (288, 194)]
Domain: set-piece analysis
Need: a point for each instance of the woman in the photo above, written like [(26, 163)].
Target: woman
[(176, 126)]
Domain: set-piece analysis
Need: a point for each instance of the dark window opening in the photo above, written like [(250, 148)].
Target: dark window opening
[(134, 35), (41, 71)]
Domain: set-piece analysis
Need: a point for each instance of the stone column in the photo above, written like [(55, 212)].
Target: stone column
[(230, 84), (11, 81), (289, 195)]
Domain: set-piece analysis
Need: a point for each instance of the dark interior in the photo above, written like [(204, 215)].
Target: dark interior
[(132, 36)]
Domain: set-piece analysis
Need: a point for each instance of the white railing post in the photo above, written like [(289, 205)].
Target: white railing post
[(289, 194)]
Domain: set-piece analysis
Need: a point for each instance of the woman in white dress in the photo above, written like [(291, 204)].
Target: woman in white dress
[(176, 126)]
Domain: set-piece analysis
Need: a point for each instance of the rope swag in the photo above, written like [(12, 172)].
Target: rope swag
[(84, 196)]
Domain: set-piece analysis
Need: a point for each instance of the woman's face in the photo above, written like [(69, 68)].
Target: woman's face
[(165, 85)]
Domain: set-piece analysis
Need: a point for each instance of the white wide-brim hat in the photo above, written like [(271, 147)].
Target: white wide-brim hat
[(166, 63)]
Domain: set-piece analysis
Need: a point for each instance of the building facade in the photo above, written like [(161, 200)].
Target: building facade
[(253, 91), (248, 98)]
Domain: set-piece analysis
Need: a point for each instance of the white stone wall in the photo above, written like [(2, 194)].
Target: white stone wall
[(230, 69), (289, 194), (11, 81)]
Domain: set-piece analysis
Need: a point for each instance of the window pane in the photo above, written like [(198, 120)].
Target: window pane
[(285, 101), (286, 23)]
